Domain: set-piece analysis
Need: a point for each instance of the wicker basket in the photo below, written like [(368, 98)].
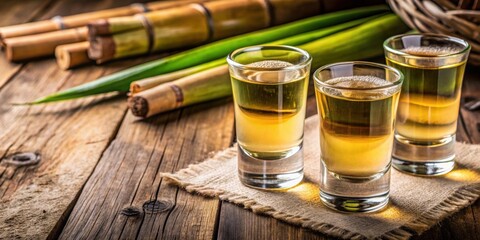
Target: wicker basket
[(460, 18)]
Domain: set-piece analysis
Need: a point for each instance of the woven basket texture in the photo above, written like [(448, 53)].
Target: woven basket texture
[(459, 18)]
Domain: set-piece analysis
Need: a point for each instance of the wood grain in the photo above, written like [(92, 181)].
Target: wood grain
[(14, 12), (69, 141), (128, 176), (34, 200), (119, 158)]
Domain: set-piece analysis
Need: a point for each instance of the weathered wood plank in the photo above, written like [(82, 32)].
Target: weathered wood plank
[(8, 70), (128, 176), (238, 223), (69, 141), (14, 12), (70, 138)]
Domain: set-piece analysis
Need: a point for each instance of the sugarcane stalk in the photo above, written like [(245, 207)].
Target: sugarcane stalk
[(28, 47), (209, 84), (121, 80), (72, 55), (147, 83), (79, 20), (187, 26), (364, 41), (170, 29), (39, 39), (144, 84)]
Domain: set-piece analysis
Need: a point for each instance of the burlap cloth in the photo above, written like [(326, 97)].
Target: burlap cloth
[(416, 203)]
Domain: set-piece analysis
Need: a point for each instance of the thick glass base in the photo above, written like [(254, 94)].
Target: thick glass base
[(271, 181), (432, 168), (274, 174), (354, 204), (354, 193), (427, 158)]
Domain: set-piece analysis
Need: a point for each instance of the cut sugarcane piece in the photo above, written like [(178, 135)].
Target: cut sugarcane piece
[(144, 84), (82, 19), (72, 55), (121, 80), (166, 97)]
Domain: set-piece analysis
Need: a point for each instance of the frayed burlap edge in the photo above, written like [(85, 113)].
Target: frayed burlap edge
[(463, 197)]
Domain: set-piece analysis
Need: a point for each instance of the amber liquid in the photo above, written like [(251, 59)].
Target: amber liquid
[(270, 111), (356, 130), (429, 101)]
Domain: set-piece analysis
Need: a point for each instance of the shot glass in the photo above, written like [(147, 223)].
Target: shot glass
[(433, 66), (357, 103), (269, 86)]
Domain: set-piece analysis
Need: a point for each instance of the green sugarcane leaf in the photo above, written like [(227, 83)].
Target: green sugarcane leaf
[(361, 42), (121, 80)]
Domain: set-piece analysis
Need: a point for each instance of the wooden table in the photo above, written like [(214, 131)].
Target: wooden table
[(99, 171)]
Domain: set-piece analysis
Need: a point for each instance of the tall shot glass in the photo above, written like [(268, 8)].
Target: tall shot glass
[(269, 86), (357, 104), (433, 66)]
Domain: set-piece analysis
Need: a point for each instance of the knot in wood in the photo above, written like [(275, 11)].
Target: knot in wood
[(23, 159), (130, 211), (156, 206)]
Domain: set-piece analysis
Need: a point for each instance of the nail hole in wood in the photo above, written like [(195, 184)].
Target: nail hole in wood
[(130, 211), (23, 159), (156, 206)]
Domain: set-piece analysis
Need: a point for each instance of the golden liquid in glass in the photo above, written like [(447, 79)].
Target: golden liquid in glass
[(356, 127), (430, 97), (270, 110)]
